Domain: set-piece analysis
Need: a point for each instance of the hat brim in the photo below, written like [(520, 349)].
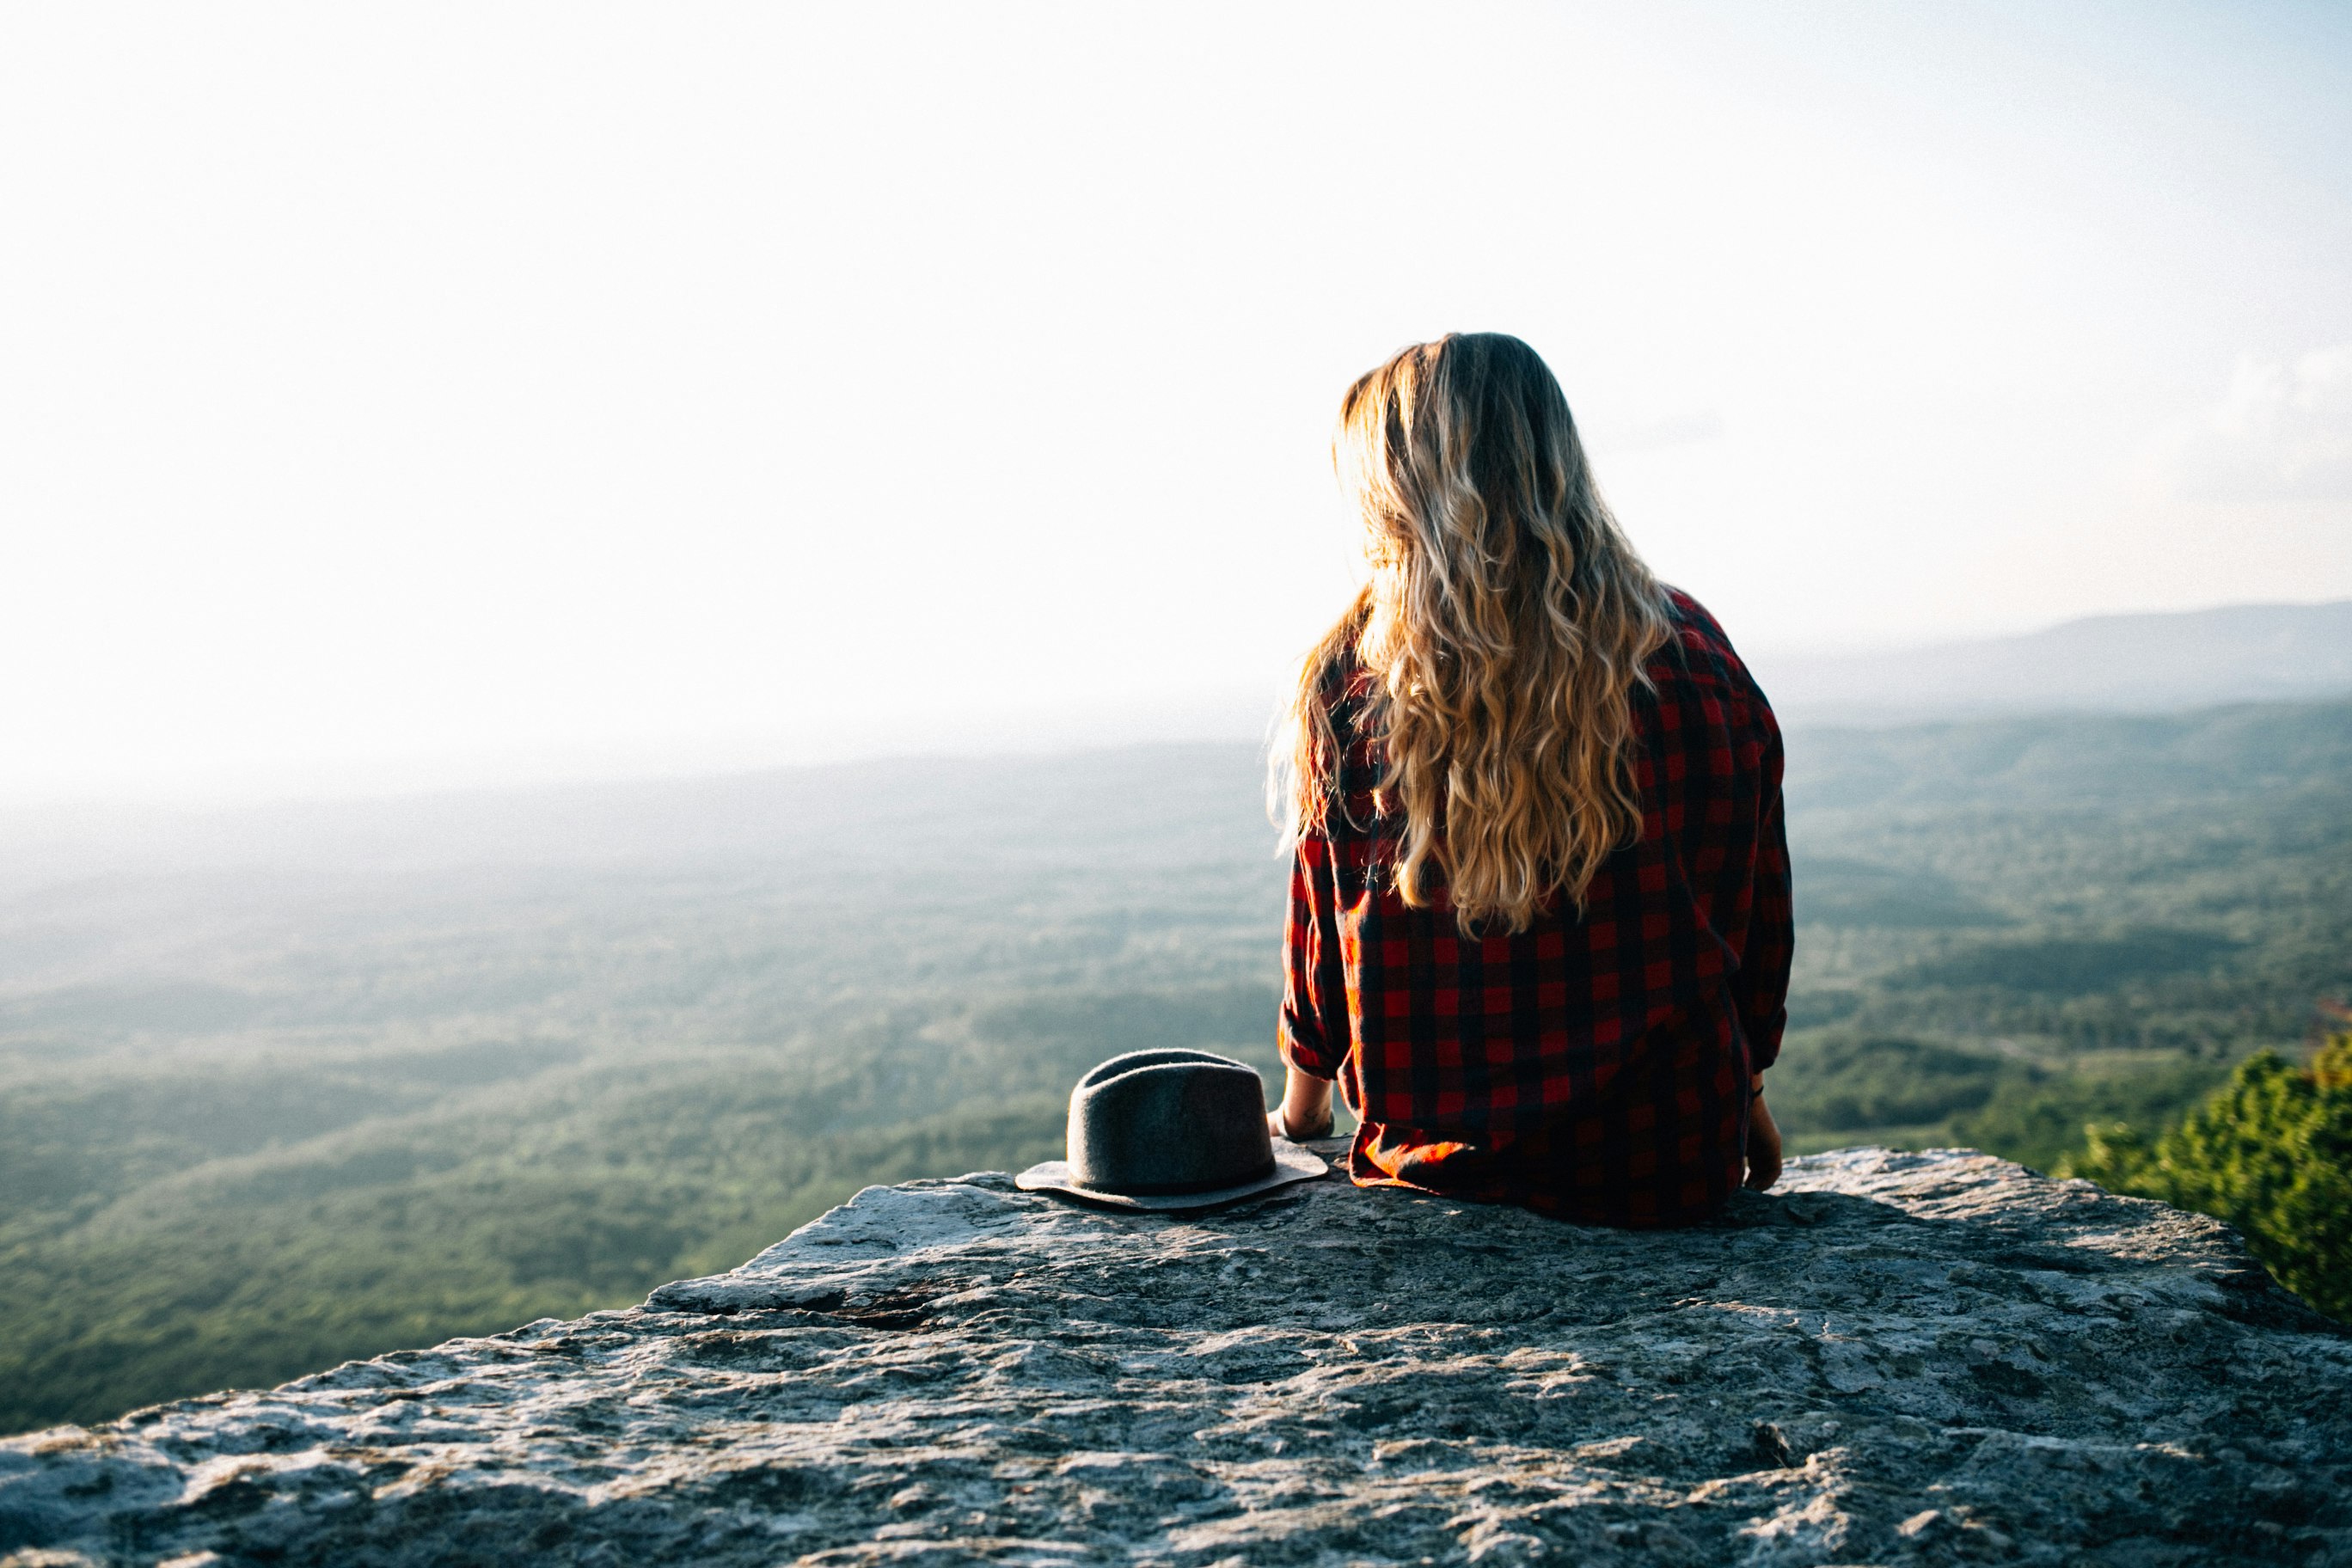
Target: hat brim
[(1291, 1163)]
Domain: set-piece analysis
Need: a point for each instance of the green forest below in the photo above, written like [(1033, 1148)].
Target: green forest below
[(315, 1084)]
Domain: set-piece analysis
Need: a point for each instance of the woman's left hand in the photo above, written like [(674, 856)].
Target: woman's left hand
[(1306, 1106)]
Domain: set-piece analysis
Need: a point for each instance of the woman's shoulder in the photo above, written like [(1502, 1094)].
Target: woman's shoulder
[(1697, 653)]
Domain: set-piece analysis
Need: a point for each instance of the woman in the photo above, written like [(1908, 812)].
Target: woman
[(1539, 926)]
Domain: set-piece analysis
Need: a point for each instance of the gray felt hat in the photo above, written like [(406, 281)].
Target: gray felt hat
[(1170, 1131)]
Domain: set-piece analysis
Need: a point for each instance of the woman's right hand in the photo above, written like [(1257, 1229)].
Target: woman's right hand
[(1763, 1145)]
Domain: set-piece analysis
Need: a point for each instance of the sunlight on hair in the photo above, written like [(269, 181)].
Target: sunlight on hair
[(1506, 623)]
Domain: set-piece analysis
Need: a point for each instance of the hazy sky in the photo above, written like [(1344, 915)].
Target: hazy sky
[(411, 394)]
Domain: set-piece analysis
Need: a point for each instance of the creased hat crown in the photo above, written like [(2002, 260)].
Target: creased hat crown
[(1153, 1122)]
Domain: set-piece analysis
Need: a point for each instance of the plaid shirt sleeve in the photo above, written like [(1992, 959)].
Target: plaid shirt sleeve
[(1760, 986), (1314, 1035)]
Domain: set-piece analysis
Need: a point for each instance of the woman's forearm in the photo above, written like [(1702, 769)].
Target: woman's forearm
[(1306, 1109), (1763, 1139)]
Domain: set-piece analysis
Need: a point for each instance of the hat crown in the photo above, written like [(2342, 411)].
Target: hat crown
[(1157, 1122)]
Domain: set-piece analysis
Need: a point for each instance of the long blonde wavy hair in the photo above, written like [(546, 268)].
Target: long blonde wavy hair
[(1506, 623)]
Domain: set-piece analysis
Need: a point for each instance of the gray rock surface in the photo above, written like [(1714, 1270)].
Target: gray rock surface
[(1896, 1358)]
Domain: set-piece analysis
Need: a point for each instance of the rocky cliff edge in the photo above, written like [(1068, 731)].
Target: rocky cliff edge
[(1898, 1358)]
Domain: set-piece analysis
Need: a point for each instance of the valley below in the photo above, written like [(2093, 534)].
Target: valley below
[(280, 1089)]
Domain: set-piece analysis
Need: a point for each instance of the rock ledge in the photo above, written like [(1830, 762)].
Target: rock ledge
[(1923, 1358)]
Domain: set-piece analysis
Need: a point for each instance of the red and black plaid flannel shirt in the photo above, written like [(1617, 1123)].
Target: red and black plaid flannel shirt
[(1595, 1069)]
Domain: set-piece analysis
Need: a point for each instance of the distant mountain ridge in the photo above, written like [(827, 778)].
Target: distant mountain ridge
[(1145, 810), (1172, 802), (2138, 663)]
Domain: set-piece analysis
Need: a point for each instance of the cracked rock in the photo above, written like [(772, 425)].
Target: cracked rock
[(1899, 1358)]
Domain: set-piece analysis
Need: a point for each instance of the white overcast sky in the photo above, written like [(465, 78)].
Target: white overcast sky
[(403, 395)]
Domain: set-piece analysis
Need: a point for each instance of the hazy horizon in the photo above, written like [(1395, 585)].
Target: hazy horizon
[(1810, 688), (2137, 666), (410, 398)]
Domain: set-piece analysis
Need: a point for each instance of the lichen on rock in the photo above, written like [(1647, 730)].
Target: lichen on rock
[(1900, 1358)]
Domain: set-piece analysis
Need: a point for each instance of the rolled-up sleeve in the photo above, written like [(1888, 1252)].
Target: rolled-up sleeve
[(1313, 1031), (1761, 987)]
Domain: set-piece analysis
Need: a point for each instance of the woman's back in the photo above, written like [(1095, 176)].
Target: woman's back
[(1595, 1065)]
